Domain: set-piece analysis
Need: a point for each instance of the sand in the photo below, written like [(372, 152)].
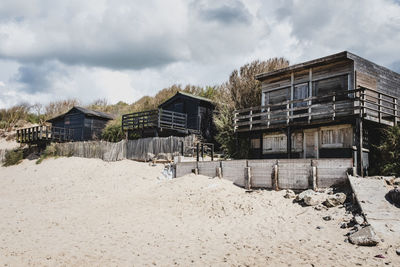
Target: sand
[(86, 212)]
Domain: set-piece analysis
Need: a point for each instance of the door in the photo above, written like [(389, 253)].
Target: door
[(311, 144)]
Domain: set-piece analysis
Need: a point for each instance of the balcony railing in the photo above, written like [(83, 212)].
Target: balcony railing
[(44, 133), (162, 119), (367, 103)]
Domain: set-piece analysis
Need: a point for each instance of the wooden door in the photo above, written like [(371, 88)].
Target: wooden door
[(311, 144)]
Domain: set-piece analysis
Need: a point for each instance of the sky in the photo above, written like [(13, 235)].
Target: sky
[(121, 50)]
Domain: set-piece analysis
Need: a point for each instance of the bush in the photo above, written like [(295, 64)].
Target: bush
[(13, 157), (50, 151), (113, 132), (390, 151)]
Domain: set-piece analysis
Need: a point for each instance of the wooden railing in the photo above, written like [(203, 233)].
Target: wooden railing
[(367, 103), (44, 133), (155, 118)]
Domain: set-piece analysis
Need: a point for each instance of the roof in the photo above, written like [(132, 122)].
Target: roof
[(307, 64), (188, 95), (85, 111)]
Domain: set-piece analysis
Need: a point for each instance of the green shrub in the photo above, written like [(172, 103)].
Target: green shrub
[(50, 151), (390, 151), (13, 157), (113, 132)]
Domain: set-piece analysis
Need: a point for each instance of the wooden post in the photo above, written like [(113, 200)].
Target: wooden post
[(268, 116), (287, 112), (234, 122), (310, 95), (248, 178), (251, 118), (197, 151), (219, 172), (379, 107), (334, 107), (360, 147), (396, 112), (314, 178), (182, 148), (289, 142), (202, 151), (212, 152), (275, 182)]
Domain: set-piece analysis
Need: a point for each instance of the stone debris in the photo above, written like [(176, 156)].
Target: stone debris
[(300, 197), (394, 196), (327, 218), (364, 237), (396, 181), (289, 194), (335, 200), (398, 251), (320, 207), (314, 199), (358, 219)]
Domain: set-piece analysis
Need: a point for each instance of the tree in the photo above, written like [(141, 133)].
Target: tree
[(241, 91)]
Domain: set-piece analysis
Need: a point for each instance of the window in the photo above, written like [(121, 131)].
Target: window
[(67, 121), (336, 137), (276, 97), (329, 87), (300, 91), (274, 143)]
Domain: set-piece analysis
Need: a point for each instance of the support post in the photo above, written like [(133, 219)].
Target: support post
[(219, 172), (275, 182), (360, 147), (182, 148), (202, 151), (197, 151), (212, 152), (289, 143), (248, 178), (314, 178)]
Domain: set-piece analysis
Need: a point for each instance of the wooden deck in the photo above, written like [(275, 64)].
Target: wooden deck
[(39, 134), (362, 102), (161, 119)]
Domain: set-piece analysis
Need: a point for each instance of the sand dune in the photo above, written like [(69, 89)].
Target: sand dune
[(85, 212)]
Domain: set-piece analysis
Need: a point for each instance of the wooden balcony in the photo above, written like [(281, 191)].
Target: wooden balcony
[(39, 134), (362, 102), (161, 119)]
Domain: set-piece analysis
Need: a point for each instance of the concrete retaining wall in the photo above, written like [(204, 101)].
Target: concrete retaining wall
[(294, 173), (291, 173)]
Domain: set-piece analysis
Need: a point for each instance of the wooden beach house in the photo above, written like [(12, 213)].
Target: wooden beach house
[(180, 115), (78, 124), (330, 107)]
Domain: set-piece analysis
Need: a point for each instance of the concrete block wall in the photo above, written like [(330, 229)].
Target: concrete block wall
[(330, 171), (234, 170), (208, 168), (262, 172), (294, 174)]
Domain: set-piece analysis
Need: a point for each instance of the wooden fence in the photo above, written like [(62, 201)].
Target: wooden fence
[(140, 149)]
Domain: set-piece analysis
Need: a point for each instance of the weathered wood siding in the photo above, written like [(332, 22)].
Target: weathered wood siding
[(387, 81)]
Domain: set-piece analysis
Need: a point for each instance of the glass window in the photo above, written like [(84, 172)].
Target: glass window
[(336, 137), (330, 86), (300, 91), (255, 143)]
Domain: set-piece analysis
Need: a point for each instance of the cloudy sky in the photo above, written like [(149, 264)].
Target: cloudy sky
[(124, 49)]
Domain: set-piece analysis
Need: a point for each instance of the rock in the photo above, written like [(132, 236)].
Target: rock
[(320, 207), (314, 199), (394, 196), (320, 227), (396, 181), (343, 225), (358, 219), (335, 200), (364, 237), (164, 156), (289, 194), (329, 191), (327, 218), (301, 196), (398, 251)]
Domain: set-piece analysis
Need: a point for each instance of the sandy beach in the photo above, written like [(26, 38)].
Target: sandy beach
[(87, 212)]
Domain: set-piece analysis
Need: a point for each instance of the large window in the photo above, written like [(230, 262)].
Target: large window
[(276, 97), (300, 91), (330, 86), (274, 143), (336, 137)]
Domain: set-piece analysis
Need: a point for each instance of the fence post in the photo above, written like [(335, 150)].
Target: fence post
[(314, 178), (212, 152), (248, 178), (202, 151), (182, 148), (287, 113), (334, 107), (251, 118), (268, 116), (197, 151), (275, 181)]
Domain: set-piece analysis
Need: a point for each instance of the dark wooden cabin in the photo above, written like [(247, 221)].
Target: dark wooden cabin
[(331, 107), (180, 115), (86, 124)]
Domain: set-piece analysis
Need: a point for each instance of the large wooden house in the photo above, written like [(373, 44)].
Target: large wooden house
[(331, 107), (180, 115)]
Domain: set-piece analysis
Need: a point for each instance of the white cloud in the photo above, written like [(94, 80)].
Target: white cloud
[(122, 49)]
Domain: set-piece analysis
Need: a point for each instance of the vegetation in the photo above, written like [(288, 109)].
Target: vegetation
[(13, 157), (113, 131), (50, 151), (241, 91), (390, 152)]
